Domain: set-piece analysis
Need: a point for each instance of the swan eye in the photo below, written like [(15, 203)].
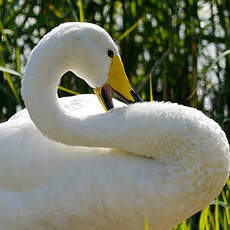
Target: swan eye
[(110, 53)]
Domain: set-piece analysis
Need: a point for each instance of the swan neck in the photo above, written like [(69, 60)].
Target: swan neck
[(43, 72), (47, 63)]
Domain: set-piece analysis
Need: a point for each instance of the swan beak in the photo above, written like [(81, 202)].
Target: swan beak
[(118, 83)]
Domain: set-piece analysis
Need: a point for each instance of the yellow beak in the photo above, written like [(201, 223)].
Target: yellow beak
[(118, 83)]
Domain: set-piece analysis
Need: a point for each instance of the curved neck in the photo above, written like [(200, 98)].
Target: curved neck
[(44, 69), (39, 89)]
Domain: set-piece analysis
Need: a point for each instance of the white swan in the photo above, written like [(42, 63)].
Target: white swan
[(96, 174)]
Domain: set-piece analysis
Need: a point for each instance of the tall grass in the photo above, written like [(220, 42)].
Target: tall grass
[(164, 53)]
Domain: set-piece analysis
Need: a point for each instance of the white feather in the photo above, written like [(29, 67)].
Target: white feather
[(157, 160)]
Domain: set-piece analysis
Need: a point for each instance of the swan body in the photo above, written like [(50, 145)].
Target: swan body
[(66, 164)]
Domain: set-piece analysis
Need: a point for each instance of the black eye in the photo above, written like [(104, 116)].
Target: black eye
[(110, 53)]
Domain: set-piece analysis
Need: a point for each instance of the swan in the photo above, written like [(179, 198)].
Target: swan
[(67, 164)]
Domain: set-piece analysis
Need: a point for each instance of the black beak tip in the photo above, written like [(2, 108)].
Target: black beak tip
[(136, 97), (125, 100)]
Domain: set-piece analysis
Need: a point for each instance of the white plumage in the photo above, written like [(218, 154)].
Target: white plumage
[(157, 160)]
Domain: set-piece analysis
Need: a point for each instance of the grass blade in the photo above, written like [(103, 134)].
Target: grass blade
[(10, 71), (221, 204), (218, 59), (7, 73), (203, 222), (217, 224), (68, 90), (11, 85), (5, 38), (18, 62), (132, 28), (81, 11), (151, 88), (146, 223), (227, 214)]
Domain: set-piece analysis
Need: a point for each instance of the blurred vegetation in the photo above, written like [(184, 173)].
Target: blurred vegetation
[(179, 44)]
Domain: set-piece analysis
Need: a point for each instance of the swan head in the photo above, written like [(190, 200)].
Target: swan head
[(95, 58)]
